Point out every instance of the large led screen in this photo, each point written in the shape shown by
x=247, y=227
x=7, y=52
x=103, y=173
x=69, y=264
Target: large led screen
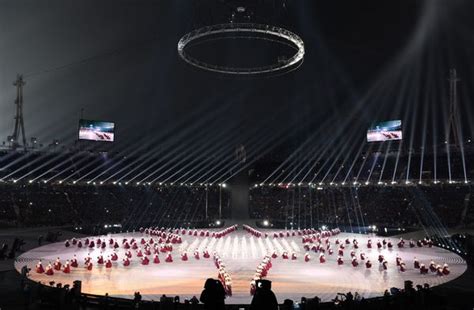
x=96, y=130
x=385, y=131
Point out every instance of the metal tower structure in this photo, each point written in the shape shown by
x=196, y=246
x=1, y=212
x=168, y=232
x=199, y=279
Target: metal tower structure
x=453, y=121
x=19, y=122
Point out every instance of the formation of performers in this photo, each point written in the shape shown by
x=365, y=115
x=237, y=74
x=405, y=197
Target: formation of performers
x=160, y=241
x=260, y=273
x=223, y=275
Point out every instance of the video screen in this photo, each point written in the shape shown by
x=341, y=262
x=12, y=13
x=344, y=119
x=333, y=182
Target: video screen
x=385, y=131
x=96, y=130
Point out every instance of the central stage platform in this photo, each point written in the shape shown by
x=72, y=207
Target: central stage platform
x=241, y=253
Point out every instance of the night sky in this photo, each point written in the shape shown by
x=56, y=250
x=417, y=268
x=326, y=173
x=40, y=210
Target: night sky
x=117, y=60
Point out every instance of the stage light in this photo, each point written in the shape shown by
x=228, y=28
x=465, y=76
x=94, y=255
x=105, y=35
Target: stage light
x=74, y=182
x=224, y=185
x=61, y=182
x=101, y=182
x=138, y=183
x=343, y=183
x=218, y=222
x=14, y=181
x=407, y=182
x=126, y=183
x=114, y=182
x=324, y=227
x=30, y=181
x=88, y=182
x=367, y=183
x=393, y=182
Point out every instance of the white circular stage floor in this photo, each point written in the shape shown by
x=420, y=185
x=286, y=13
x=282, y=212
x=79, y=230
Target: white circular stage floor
x=241, y=253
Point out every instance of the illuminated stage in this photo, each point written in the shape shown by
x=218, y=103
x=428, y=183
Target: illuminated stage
x=241, y=253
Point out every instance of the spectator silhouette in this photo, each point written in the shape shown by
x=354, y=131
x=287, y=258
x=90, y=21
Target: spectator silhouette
x=213, y=295
x=264, y=297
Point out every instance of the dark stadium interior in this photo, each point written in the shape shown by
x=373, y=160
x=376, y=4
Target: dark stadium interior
x=186, y=125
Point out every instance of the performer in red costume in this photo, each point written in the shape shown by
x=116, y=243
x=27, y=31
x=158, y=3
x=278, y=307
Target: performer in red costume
x=108, y=264
x=322, y=258
x=57, y=264
x=89, y=265
x=340, y=261
x=114, y=257
x=403, y=267
x=156, y=259
x=416, y=264
x=39, y=267
x=126, y=261
x=307, y=257
x=369, y=244
x=67, y=267
x=49, y=270
x=100, y=259
x=206, y=254
x=362, y=256
x=169, y=258
x=385, y=265
x=355, y=263
x=74, y=262
x=423, y=269
x=184, y=256
x=368, y=264
x=445, y=269
x=293, y=256
x=145, y=260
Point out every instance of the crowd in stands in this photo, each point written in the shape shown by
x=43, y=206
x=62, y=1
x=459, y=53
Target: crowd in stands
x=131, y=206
x=384, y=206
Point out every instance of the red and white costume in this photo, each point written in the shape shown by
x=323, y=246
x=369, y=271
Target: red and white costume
x=126, y=261
x=39, y=267
x=57, y=264
x=307, y=257
x=156, y=259
x=49, y=270
x=67, y=267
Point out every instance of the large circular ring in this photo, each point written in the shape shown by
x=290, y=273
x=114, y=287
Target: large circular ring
x=266, y=32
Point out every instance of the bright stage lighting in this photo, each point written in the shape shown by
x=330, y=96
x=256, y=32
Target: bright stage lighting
x=266, y=223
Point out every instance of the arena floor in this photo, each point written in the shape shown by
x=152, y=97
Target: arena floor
x=241, y=253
